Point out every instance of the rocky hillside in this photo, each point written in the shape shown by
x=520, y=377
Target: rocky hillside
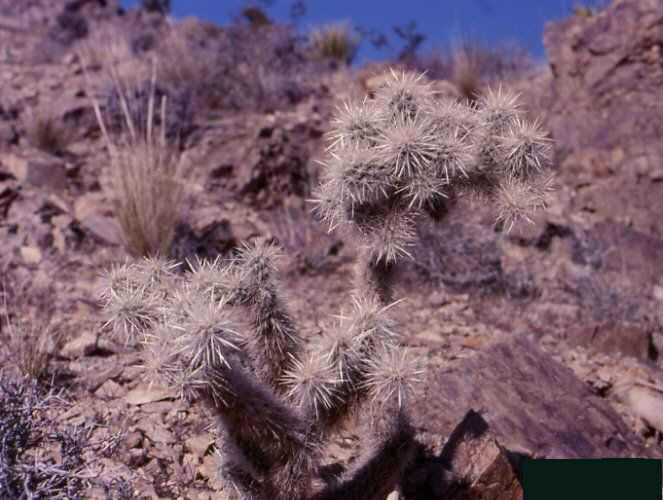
x=543, y=342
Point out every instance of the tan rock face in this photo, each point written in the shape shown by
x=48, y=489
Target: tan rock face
x=608, y=80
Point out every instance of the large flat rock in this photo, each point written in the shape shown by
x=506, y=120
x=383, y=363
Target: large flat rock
x=534, y=405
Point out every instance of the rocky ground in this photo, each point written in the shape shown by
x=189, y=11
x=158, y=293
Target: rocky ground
x=552, y=333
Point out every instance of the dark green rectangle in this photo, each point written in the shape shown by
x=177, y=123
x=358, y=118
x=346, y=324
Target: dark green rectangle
x=606, y=479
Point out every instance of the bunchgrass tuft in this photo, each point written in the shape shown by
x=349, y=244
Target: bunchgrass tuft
x=335, y=42
x=145, y=172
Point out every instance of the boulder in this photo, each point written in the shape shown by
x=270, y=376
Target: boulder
x=472, y=466
x=534, y=406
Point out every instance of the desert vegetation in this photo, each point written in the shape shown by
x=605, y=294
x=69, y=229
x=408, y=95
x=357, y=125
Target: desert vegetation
x=240, y=263
x=274, y=399
x=336, y=42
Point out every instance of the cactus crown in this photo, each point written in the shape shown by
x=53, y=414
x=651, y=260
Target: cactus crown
x=403, y=151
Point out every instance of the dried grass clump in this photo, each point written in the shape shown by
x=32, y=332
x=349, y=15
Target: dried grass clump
x=335, y=42
x=145, y=173
x=31, y=342
x=222, y=334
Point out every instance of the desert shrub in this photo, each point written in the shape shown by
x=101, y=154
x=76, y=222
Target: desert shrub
x=46, y=130
x=159, y=6
x=40, y=457
x=255, y=16
x=240, y=68
x=335, y=42
x=70, y=27
x=146, y=178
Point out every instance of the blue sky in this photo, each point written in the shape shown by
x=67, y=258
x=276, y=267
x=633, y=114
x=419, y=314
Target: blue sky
x=442, y=21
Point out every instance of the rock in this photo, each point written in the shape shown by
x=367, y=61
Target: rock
x=277, y=163
x=608, y=85
x=110, y=390
x=39, y=170
x=472, y=465
x=8, y=134
x=199, y=444
x=532, y=404
x=622, y=338
x=144, y=394
x=87, y=344
x=89, y=211
x=102, y=227
x=155, y=432
x=267, y=159
x=31, y=255
x=642, y=393
x=647, y=403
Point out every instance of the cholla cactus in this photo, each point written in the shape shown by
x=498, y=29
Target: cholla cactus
x=222, y=333
x=403, y=152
